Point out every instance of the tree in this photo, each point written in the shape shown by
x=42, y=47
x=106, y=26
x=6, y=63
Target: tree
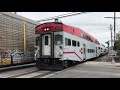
x=117, y=42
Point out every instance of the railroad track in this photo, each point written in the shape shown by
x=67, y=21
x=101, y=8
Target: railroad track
x=24, y=71
x=32, y=72
x=10, y=68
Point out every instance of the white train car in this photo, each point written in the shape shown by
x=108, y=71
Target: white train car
x=104, y=50
x=58, y=44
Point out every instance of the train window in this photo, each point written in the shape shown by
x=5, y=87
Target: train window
x=73, y=43
x=88, y=50
x=46, y=40
x=67, y=42
x=37, y=41
x=92, y=51
x=58, y=39
x=78, y=44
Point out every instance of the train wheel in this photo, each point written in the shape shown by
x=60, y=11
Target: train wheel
x=65, y=64
x=84, y=60
x=74, y=62
x=38, y=65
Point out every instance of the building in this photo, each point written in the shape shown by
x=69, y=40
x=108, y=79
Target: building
x=16, y=32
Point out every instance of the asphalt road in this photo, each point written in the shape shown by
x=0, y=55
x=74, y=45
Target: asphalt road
x=90, y=69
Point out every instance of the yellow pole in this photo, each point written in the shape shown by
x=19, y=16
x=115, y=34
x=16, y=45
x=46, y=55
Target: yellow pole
x=24, y=29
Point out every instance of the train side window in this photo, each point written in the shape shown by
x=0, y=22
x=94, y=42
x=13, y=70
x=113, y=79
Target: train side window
x=98, y=47
x=92, y=50
x=46, y=40
x=37, y=41
x=88, y=50
x=78, y=44
x=58, y=39
x=67, y=42
x=73, y=43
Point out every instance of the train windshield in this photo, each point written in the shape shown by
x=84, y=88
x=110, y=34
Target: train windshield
x=37, y=41
x=58, y=39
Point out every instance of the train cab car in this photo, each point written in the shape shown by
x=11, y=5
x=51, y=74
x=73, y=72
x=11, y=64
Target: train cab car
x=104, y=50
x=59, y=45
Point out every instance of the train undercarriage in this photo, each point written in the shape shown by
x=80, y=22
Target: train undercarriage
x=53, y=63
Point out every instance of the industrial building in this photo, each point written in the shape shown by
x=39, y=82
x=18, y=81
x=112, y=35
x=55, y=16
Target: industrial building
x=16, y=33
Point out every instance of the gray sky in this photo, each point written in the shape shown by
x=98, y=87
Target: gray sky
x=92, y=22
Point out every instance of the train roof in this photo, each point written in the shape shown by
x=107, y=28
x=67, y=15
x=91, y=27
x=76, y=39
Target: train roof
x=49, y=23
x=70, y=29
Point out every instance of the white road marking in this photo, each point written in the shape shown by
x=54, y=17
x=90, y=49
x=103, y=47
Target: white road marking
x=47, y=76
x=30, y=75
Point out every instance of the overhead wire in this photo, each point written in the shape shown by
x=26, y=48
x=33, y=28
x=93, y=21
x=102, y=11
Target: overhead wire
x=61, y=16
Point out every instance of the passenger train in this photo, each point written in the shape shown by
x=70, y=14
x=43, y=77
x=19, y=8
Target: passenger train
x=60, y=45
x=104, y=50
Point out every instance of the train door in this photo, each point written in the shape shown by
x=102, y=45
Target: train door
x=0, y=58
x=96, y=51
x=46, y=44
x=84, y=52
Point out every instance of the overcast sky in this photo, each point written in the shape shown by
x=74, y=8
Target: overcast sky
x=92, y=22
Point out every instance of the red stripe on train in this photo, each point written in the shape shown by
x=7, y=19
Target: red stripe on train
x=72, y=53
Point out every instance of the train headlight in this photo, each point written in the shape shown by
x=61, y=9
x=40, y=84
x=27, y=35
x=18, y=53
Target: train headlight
x=46, y=29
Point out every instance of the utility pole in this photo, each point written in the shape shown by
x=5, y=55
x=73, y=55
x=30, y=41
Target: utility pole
x=113, y=61
x=114, y=25
x=108, y=43
x=111, y=36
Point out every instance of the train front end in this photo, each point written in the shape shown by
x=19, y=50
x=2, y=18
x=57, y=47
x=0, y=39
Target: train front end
x=49, y=45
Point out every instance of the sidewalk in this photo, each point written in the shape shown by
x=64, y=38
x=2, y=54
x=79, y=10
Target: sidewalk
x=106, y=61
